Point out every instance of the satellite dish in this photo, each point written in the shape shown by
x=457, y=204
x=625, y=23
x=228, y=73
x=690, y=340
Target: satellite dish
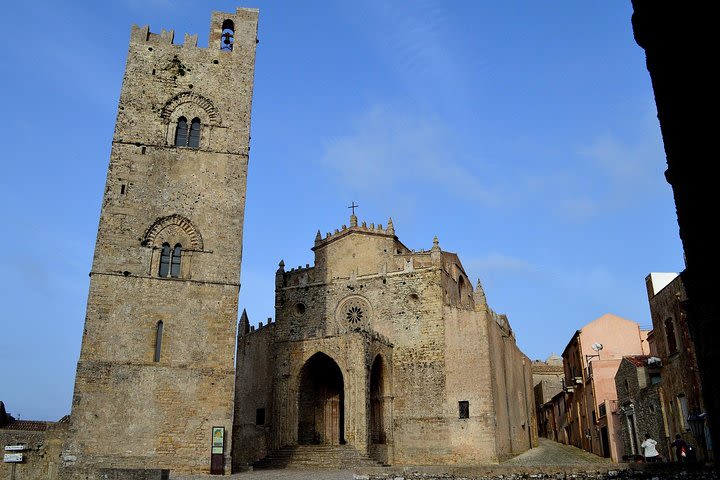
x=597, y=346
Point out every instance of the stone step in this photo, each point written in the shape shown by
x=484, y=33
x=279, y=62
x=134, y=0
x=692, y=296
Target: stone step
x=316, y=456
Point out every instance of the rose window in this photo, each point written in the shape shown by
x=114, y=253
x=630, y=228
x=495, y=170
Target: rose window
x=354, y=312
x=354, y=315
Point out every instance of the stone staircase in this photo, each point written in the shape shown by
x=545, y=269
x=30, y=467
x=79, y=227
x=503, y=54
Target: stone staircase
x=317, y=457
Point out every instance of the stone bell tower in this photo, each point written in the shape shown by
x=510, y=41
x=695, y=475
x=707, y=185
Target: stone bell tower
x=156, y=370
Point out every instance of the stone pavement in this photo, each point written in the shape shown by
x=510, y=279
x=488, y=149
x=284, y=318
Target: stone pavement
x=549, y=452
x=285, y=474
x=553, y=456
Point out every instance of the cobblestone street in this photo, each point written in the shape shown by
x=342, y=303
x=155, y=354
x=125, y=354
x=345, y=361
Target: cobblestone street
x=549, y=452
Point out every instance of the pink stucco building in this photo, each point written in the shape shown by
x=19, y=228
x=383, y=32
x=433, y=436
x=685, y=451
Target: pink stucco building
x=591, y=360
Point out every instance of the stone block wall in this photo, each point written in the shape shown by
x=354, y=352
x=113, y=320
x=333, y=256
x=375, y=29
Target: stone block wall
x=42, y=456
x=640, y=411
x=468, y=363
x=368, y=295
x=156, y=368
x=513, y=391
x=681, y=390
x=253, y=390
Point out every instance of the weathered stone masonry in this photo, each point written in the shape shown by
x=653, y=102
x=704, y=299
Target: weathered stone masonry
x=147, y=394
x=407, y=340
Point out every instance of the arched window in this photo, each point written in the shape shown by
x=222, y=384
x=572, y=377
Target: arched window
x=194, y=137
x=158, y=340
x=175, y=261
x=165, y=256
x=181, y=133
x=188, y=135
x=228, y=35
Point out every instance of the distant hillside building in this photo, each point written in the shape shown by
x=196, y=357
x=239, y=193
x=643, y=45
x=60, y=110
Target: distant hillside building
x=385, y=351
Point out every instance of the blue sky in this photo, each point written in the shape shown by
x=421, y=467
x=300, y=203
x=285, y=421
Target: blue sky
x=523, y=134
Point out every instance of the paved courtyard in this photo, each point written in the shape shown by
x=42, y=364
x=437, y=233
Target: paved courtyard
x=548, y=453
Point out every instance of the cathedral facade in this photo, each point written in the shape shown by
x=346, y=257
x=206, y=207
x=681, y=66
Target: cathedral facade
x=386, y=351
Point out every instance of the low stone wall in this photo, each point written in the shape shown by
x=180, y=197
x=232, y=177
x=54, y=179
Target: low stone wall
x=133, y=474
x=614, y=472
x=41, y=458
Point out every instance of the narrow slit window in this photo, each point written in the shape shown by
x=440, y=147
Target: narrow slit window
x=158, y=340
x=165, y=260
x=260, y=416
x=175, y=261
x=181, y=132
x=461, y=287
x=464, y=409
x=194, y=138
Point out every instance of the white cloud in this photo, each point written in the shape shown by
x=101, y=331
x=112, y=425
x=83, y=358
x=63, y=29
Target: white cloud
x=609, y=173
x=579, y=208
x=415, y=42
x=626, y=165
x=387, y=150
x=501, y=263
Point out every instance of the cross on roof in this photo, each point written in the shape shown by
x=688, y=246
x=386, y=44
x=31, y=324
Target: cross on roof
x=353, y=206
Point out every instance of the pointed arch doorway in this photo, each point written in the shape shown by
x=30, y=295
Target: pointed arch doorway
x=321, y=402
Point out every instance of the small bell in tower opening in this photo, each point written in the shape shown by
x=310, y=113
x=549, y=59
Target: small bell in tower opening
x=227, y=40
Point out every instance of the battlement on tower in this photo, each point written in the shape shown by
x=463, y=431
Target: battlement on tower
x=241, y=24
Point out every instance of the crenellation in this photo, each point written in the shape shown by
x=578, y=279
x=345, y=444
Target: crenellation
x=190, y=40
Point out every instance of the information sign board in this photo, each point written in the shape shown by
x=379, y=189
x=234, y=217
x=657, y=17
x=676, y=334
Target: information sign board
x=15, y=448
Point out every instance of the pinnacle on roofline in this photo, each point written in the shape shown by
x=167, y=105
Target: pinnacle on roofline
x=390, y=230
x=436, y=245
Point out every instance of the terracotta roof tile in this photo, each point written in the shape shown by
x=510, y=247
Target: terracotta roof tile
x=539, y=368
x=28, y=425
x=638, y=360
